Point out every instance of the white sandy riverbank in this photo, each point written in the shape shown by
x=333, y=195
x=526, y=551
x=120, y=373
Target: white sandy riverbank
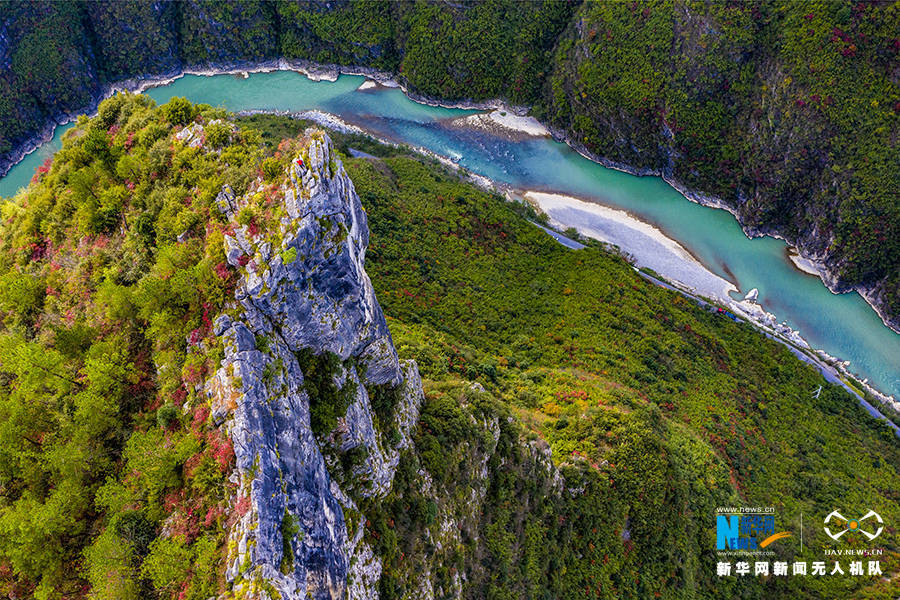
x=502, y=122
x=648, y=245
x=804, y=264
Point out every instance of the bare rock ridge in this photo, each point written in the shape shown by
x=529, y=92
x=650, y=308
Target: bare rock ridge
x=304, y=293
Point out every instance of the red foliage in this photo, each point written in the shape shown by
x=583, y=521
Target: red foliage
x=243, y=260
x=38, y=250
x=242, y=505
x=222, y=271
x=201, y=414
x=42, y=170
x=194, y=339
x=213, y=515
x=179, y=395
x=191, y=464
x=837, y=33
x=194, y=374
x=571, y=396
x=173, y=499
x=222, y=450
x=207, y=324
x=187, y=521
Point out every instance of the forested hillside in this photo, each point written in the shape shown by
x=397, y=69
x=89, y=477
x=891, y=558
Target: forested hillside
x=787, y=111
x=115, y=476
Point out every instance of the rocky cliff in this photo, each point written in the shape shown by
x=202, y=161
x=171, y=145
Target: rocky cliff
x=307, y=297
x=323, y=416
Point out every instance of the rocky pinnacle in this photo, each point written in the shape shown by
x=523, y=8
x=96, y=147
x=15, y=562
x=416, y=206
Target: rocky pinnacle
x=305, y=290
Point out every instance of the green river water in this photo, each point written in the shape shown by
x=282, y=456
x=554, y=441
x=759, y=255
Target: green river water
x=842, y=325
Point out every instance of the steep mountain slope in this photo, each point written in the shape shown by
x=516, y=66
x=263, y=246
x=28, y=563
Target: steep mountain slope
x=200, y=396
x=311, y=301
x=787, y=112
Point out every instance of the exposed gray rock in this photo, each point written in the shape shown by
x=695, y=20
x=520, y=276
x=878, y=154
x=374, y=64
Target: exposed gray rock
x=319, y=299
x=358, y=429
x=365, y=571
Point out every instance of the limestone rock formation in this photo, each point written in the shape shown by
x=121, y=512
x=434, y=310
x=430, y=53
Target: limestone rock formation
x=307, y=296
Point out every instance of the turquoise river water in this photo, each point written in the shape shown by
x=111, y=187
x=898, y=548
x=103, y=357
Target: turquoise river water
x=842, y=325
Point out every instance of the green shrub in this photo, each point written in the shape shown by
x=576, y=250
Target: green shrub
x=108, y=568
x=179, y=111
x=327, y=401
x=272, y=169
x=218, y=135
x=167, y=564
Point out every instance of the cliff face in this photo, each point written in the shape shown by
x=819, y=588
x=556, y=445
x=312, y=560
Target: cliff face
x=308, y=295
x=782, y=114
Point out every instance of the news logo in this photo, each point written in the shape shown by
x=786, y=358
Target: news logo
x=853, y=525
x=746, y=531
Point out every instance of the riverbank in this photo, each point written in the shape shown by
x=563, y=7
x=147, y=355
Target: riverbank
x=747, y=309
x=811, y=264
x=649, y=247
x=645, y=244
x=828, y=370
x=500, y=122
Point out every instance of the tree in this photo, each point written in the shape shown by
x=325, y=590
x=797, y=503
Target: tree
x=179, y=111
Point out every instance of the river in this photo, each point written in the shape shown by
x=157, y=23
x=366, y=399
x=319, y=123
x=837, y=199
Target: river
x=842, y=325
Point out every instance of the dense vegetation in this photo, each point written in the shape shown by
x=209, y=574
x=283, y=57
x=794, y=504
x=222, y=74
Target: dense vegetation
x=112, y=268
x=675, y=409
x=786, y=110
x=113, y=477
